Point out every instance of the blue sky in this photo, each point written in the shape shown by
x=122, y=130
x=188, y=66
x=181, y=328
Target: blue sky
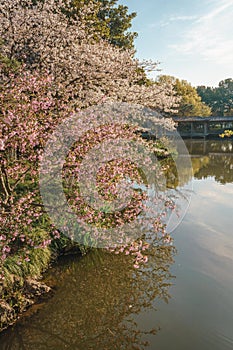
x=193, y=39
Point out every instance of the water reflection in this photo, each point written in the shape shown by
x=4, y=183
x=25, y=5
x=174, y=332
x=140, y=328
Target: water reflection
x=210, y=158
x=99, y=297
x=94, y=304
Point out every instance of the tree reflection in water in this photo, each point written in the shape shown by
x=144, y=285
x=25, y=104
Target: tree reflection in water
x=215, y=160
x=95, y=300
x=211, y=158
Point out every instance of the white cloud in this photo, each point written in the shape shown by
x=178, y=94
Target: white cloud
x=175, y=18
x=182, y=18
x=210, y=36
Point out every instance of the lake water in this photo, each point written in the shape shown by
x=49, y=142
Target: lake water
x=183, y=298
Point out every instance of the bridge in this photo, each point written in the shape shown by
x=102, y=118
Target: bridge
x=195, y=127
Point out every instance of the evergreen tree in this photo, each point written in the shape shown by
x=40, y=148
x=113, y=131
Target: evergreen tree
x=118, y=21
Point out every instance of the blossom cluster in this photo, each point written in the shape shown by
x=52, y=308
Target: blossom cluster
x=43, y=37
x=28, y=112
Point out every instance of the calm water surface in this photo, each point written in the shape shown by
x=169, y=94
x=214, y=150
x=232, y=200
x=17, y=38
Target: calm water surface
x=180, y=300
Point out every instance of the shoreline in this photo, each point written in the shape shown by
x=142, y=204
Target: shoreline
x=33, y=292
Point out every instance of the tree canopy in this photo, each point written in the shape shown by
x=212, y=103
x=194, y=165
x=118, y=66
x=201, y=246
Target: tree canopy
x=190, y=102
x=42, y=35
x=107, y=20
x=219, y=99
x=117, y=21
x=104, y=19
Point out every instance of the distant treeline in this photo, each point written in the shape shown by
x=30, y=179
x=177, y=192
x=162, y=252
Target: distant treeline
x=219, y=99
x=203, y=100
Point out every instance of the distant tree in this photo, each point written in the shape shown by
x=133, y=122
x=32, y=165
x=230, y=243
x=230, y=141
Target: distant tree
x=207, y=95
x=190, y=102
x=220, y=98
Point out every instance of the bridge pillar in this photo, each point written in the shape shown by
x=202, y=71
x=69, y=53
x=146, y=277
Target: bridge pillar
x=205, y=128
x=192, y=129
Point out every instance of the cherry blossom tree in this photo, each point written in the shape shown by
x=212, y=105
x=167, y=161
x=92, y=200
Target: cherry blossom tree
x=43, y=37
x=27, y=114
x=62, y=70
